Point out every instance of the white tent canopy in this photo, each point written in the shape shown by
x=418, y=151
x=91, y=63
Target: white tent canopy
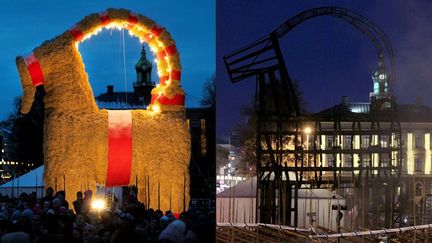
x=28, y=182
x=238, y=205
x=32, y=178
x=33, y=181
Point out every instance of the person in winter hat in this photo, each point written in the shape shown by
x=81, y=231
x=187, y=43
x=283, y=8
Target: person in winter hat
x=174, y=232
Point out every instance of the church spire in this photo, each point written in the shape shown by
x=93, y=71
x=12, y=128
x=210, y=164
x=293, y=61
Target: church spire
x=143, y=84
x=143, y=69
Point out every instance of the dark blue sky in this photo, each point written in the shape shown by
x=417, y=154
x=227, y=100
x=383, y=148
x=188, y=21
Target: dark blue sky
x=26, y=24
x=328, y=57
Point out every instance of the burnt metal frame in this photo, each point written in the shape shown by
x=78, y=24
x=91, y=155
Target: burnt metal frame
x=280, y=120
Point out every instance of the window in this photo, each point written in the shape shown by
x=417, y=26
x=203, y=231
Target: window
x=330, y=141
x=418, y=165
x=403, y=165
x=418, y=189
x=418, y=141
x=331, y=160
x=365, y=141
x=402, y=188
x=366, y=160
x=384, y=141
x=348, y=161
x=347, y=142
x=384, y=162
x=394, y=140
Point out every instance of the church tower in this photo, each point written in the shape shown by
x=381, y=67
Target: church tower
x=381, y=98
x=143, y=84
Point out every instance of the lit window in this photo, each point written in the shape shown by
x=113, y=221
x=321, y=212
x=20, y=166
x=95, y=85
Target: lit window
x=366, y=160
x=384, y=161
x=384, y=141
x=365, y=141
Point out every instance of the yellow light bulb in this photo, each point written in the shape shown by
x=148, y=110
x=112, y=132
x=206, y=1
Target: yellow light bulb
x=155, y=108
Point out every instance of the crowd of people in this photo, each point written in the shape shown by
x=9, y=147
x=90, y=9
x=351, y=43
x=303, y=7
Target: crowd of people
x=52, y=219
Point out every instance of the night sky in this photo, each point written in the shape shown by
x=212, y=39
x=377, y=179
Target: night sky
x=327, y=56
x=27, y=24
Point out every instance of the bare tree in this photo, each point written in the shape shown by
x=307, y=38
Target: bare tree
x=209, y=93
x=247, y=133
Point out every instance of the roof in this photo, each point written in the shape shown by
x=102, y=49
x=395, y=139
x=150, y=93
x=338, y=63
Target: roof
x=414, y=113
x=118, y=105
x=119, y=100
x=344, y=111
x=361, y=110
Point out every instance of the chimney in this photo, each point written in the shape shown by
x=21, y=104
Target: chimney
x=345, y=101
x=110, y=89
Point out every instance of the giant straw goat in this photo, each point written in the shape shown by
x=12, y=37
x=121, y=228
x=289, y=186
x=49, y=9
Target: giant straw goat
x=85, y=146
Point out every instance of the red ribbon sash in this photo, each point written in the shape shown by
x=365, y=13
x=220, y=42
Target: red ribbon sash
x=178, y=99
x=104, y=18
x=77, y=34
x=119, y=148
x=132, y=20
x=175, y=74
x=157, y=30
x=34, y=69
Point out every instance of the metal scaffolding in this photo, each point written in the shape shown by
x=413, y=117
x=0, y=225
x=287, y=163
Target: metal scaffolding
x=293, y=149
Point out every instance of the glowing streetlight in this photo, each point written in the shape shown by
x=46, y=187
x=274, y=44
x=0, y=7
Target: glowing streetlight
x=307, y=130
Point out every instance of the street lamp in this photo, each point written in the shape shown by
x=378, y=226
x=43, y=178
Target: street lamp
x=308, y=131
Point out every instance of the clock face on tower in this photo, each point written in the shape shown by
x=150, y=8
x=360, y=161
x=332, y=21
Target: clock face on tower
x=382, y=76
